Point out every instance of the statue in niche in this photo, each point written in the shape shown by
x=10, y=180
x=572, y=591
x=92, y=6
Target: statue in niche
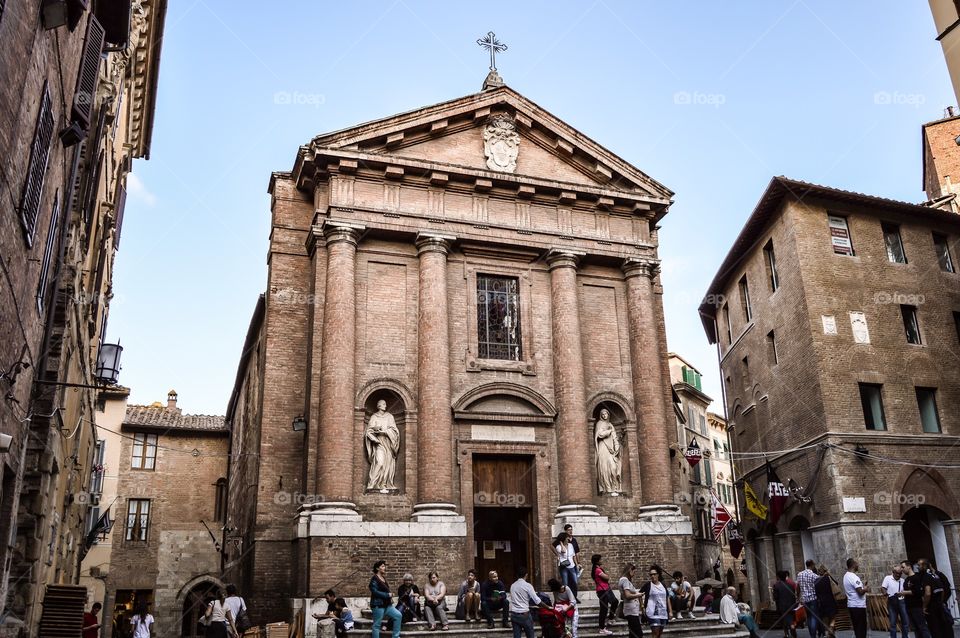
x=609, y=453
x=382, y=443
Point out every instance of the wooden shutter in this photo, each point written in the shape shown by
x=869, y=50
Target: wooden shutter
x=48, y=252
x=88, y=73
x=119, y=204
x=37, y=168
x=62, y=614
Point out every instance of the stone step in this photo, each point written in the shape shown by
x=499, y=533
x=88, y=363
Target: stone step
x=701, y=628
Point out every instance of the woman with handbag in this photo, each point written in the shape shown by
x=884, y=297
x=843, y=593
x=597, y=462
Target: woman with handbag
x=566, y=562
x=631, y=600
x=380, y=600
x=219, y=619
x=606, y=597
x=238, y=609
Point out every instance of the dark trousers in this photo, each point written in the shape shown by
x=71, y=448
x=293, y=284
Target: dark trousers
x=608, y=606
x=918, y=622
x=490, y=606
x=635, y=626
x=937, y=618
x=858, y=616
x=522, y=623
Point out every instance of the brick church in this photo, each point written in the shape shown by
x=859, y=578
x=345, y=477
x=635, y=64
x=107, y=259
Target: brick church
x=461, y=348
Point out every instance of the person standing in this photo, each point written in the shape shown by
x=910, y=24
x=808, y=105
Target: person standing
x=142, y=622
x=933, y=596
x=786, y=598
x=913, y=595
x=91, y=625
x=605, y=596
x=521, y=595
x=631, y=600
x=826, y=602
x=566, y=561
x=808, y=597
x=656, y=601
x=856, y=591
x=948, y=619
x=380, y=600
x=893, y=584
x=219, y=619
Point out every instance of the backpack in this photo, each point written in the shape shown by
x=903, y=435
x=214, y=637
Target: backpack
x=242, y=621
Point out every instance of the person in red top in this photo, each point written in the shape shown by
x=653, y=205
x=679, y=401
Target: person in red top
x=91, y=626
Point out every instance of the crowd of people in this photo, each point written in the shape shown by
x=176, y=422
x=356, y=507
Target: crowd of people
x=917, y=597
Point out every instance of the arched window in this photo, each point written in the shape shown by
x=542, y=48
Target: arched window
x=220, y=501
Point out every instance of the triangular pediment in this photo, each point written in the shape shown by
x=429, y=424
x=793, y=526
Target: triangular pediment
x=451, y=134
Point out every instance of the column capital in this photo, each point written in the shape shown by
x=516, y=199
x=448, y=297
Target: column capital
x=634, y=266
x=564, y=258
x=337, y=231
x=434, y=242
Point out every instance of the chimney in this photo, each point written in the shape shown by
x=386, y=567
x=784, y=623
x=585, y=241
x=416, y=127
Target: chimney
x=172, y=400
x=949, y=112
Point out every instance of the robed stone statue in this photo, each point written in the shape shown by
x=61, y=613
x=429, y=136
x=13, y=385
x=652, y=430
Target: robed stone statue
x=382, y=443
x=609, y=453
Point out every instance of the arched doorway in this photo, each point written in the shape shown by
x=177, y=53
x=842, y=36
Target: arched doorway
x=925, y=537
x=194, y=605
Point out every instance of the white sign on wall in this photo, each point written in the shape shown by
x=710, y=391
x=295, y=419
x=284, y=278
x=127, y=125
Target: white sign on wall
x=840, y=235
x=854, y=504
x=858, y=322
x=829, y=324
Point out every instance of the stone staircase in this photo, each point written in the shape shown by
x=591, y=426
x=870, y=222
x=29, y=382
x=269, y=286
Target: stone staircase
x=699, y=627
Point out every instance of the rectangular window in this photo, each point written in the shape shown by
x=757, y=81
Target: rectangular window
x=927, y=402
x=691, y=417
x=893, y=243
x=871, y=399
x=37, y=168
x=703, y=423
x=745, y=300
x=956, y=323
x=144, y=451
x=771, y=260
x=696, y=474
x=910, y=324
x=220, y=501
x=840, y=235
x=707, y=473
x=138, y=519
x=96, y=476
x=745, y=372
x=717, y=448
x=942, y=247
x=726, y=322
x=498, y=318
x=48, y=252
x=93, y=516
x=772, y=348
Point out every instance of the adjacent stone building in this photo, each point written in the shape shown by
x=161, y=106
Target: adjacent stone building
x=837, y=319
x=169, y=517
x=77, y=92
x=713, y=474
x=460, y=349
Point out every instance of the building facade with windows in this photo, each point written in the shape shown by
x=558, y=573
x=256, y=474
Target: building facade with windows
x=78, y=86
x=102, y=496
x=168, y=518
x=461, y=348
x=713, y=474
x=842, y=375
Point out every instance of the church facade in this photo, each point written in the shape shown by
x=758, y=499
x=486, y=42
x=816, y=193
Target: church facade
x=461, y=349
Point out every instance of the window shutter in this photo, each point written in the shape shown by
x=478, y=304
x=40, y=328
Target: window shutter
x=120, y=203
x=37, y=168
x=48, y=252
x=88, y=73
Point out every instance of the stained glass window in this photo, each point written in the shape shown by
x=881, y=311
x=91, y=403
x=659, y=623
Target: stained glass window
x=498, y=318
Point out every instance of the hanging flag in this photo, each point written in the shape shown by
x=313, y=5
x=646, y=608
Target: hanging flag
x=102, y=526
x=756, y=508
x=743, y=567
x=720, y=514
x=778, y=494
x=693, y=454
x=735, y=538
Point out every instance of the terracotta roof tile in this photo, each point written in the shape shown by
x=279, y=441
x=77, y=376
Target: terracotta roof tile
x=172, y=418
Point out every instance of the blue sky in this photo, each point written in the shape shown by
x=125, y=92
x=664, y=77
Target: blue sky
x=709, y=98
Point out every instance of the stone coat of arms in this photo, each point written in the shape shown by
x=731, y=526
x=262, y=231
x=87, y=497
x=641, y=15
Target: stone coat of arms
x=501, y=143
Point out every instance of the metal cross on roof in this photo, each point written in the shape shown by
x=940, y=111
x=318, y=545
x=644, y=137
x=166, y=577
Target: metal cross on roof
x=494, y=46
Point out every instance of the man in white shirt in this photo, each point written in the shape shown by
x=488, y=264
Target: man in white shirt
x=856, y=592
x=521, y=595
x=894, y=584
x=731, y=614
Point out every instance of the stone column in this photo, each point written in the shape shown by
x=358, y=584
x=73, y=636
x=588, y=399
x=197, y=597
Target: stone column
x=338, y=370
x=648, y=390
x=577, y=482
x=435, y=449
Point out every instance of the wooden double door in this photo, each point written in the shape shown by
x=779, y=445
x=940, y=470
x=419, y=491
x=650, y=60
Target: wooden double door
x=504, y=524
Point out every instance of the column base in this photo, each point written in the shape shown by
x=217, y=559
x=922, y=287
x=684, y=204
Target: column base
x=574, y=513
x=436, y=513
x=325, y=512
x=669, y=513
